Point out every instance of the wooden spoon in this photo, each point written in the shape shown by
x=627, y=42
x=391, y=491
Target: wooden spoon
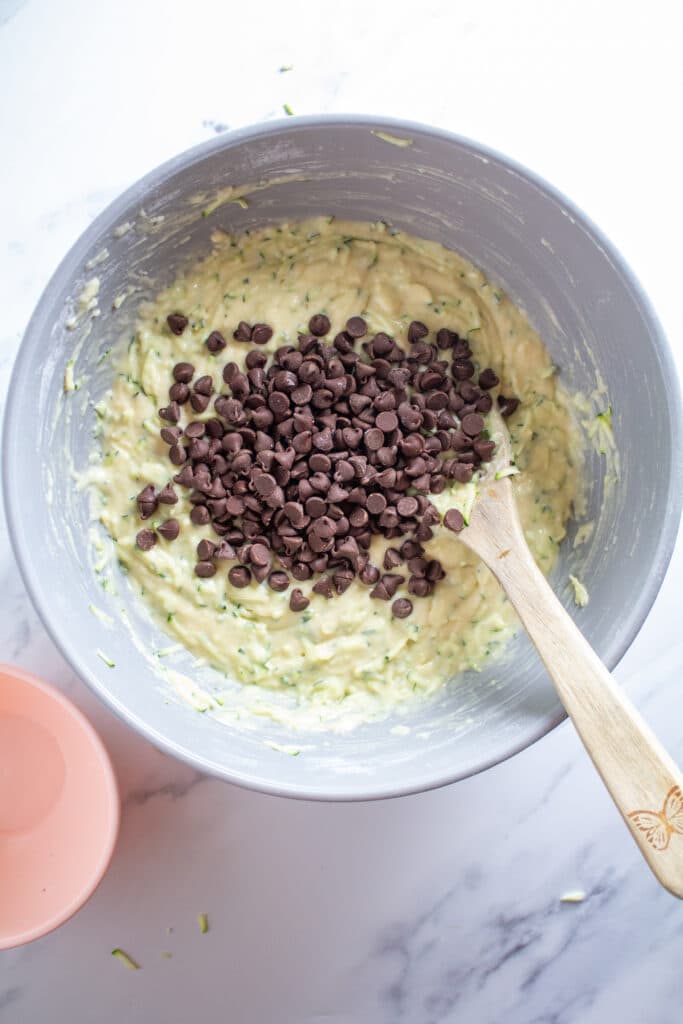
x=642, y=779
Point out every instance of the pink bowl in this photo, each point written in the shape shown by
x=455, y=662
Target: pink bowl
x=59, y=808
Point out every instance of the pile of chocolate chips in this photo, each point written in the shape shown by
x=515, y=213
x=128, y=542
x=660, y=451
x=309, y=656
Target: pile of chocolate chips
x=311, y=453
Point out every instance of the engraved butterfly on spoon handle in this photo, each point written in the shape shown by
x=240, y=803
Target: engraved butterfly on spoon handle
x=643, y=780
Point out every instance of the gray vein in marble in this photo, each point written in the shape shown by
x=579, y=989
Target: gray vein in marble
x=597, y=898
x=218, y=127
x=505, y=937
x=9, y=996
x=551, y=786
x=8, y=10
x=174, y=790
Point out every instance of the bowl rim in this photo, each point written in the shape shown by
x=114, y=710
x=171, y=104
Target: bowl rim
x=72, y=263
x=10, y=940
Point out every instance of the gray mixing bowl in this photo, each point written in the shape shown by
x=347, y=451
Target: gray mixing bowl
x=578, y=293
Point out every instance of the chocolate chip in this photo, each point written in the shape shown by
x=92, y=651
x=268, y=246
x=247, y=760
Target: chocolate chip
x=369, y=575
x=389, y=518
x=200, y=515
x=170, y=412
x=242, y=333
x=232, y=410
x=215, y=342
x=183, y=372
x=417, y=565
x=259, y=555
x=453, y=520
x=146, y=539
x=507, y=405
x=411, y=549
x=484, y=449
x=261, y=334
x=348, y=548
x=198, y=450
x=169, y=530
x=356, y=327
x=376, y=503
x=146, y=502
x=401, y=608
x=342, y=580
x=323, y=586
x=473, y=424
x=430, y=380
x=382, y=344
x=315, y=507
x=469, y=392
x=239, y=576
x=387, y=421
x=278, y=404
x=205, y=550
x=177, y=455
x=434, y=571
x=170, y=434
x=302, y=394
x=323, y=441
x=204, y=385
x=358, y=518
x=419, y=587
x=392, y=558
x=320, y=463
x=199, y=402
x=232, y=443
x=392, y=582
x=423, y=533
x=462, y=369
x=179, y=393
x=185, y=477
x=278, y=581
x=319, y=325
x=255, y=360
x=265, y=484
x=224, y=551
x=195, y=429
x=295, y=513
x=298, y=601
x=410, y=417
x=259, y=572
x=407, y=507
x=416, y=331
x=167, y=496
x=488, y=379
x=177, y=322
x=374, y=439
x=205, y=569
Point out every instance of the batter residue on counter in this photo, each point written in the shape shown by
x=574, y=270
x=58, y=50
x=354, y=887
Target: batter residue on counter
x=349, y=649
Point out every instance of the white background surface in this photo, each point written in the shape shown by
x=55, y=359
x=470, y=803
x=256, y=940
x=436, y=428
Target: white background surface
x=428, y=909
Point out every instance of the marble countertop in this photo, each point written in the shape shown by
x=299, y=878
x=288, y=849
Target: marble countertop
x=428, y=909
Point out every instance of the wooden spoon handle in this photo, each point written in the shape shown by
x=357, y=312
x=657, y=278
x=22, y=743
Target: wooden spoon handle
x=643, y=780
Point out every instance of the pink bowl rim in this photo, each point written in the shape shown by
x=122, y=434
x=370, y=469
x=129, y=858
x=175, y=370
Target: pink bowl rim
x=9, y=940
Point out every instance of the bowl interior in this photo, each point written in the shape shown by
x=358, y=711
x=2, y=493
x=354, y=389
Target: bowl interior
x=58, y=808
x=577, y=293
